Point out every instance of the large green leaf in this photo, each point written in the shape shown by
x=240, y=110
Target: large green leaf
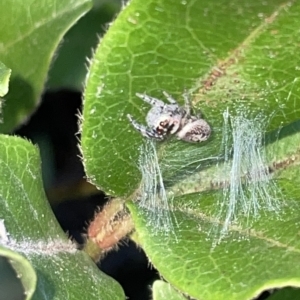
x=31, y=229
x=239, y=58
x=30, y=32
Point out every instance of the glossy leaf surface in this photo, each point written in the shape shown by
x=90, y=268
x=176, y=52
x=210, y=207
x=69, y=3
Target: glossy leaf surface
x=233, y=57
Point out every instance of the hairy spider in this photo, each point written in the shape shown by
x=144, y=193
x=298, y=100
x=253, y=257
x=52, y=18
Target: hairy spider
x=168, y=119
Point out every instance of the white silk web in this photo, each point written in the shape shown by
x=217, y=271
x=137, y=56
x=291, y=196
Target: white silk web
x=240, y=171
x=153, y=197
x=245, y=177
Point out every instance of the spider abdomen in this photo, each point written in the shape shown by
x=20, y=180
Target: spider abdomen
x=195, y=131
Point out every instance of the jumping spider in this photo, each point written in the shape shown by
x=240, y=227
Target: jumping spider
x=167, y=119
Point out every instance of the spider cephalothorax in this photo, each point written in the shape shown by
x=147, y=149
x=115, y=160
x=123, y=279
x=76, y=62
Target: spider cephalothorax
x=166, y=119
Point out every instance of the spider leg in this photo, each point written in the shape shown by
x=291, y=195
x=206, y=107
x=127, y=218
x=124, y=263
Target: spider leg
x=150, y=100
x=187, y=103
x=169, y=98
x=144, y=130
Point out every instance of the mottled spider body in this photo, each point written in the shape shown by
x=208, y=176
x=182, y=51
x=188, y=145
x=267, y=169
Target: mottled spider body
x=167, y=119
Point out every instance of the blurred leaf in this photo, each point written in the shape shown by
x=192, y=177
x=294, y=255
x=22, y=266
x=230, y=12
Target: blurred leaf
x=63, y=272
x=30, y=32
x=4, y=79
x=285, y=294
x=23, y=269
x=162, y=291
x=70, y=66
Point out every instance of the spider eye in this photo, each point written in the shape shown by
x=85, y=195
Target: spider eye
x=164, y=123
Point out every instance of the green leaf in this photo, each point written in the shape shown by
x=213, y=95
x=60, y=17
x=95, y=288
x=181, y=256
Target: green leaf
x=162, y=291
x=4, y=79
x=234, y=57
x=30, y=32
x=257, y=252
x=31, y=230
x=230, y=54
x=23, y=270
x=69, y=68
